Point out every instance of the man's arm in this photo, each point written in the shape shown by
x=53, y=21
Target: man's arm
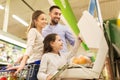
x=69, y=36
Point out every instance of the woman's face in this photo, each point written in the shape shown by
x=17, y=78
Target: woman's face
x=57, y=44
x=41, y=21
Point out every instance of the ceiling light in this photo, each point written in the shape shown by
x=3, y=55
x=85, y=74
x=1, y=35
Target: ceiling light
x=10, y=40
x=20, y=20
x=1, y=7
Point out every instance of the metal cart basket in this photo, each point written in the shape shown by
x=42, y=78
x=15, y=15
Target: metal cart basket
x=25, y=74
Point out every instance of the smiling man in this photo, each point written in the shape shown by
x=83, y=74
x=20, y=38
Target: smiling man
x=55, y=27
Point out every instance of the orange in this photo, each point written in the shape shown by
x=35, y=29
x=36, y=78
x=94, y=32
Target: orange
x=75, y=60
x=82, y=60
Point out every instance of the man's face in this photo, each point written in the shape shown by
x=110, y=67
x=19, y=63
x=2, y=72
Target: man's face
x=55, y=16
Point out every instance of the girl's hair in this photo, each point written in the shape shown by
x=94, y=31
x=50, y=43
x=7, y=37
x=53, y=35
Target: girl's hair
x=49, y=38
x=35, y=16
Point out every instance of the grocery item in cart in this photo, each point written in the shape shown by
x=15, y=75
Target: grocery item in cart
x=81, y=60
x=7, y=74
x=3, y=78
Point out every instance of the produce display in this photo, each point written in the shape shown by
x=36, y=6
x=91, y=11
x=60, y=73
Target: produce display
x=9, y=53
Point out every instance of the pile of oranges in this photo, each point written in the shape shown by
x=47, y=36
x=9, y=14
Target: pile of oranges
x=81, y=60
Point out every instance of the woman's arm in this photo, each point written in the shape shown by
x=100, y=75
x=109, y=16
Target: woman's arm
x=30, y=43
x=19, y=60
x=21, y=66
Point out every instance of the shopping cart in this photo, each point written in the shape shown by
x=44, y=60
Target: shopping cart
x=7, y=74
x=25, y=74
x=29, y=71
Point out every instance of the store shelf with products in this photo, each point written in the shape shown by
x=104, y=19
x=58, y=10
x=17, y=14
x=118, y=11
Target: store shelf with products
x=11, y=48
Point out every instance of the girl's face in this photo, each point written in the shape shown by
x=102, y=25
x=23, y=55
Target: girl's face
x=41, y=21
x=57, y=44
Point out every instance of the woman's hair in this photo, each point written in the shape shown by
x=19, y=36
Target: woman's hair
x=35, y=16
x=49, y=38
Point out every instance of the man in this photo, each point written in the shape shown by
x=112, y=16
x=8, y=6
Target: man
x=56, y=27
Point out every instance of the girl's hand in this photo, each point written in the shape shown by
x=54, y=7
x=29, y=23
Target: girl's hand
x=49, y=77
x=79, y=37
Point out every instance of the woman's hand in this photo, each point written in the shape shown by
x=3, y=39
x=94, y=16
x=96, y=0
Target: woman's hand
x=17, y=68
x=9, y=65
x=21, y=66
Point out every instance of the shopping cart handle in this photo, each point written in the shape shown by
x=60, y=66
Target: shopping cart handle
x=4, y=69
x=7, y=70
x=60, y=71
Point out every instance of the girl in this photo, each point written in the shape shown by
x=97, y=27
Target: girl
x=52, y=59
x=34, y=43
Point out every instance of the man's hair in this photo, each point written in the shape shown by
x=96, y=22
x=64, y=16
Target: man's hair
x=52, y=7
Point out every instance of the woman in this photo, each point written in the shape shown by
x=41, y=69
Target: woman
x=34, y=48
x=52, y=59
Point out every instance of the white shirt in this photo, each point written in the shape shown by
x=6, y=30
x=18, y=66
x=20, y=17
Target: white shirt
x=51, y=62
x=34, y=45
